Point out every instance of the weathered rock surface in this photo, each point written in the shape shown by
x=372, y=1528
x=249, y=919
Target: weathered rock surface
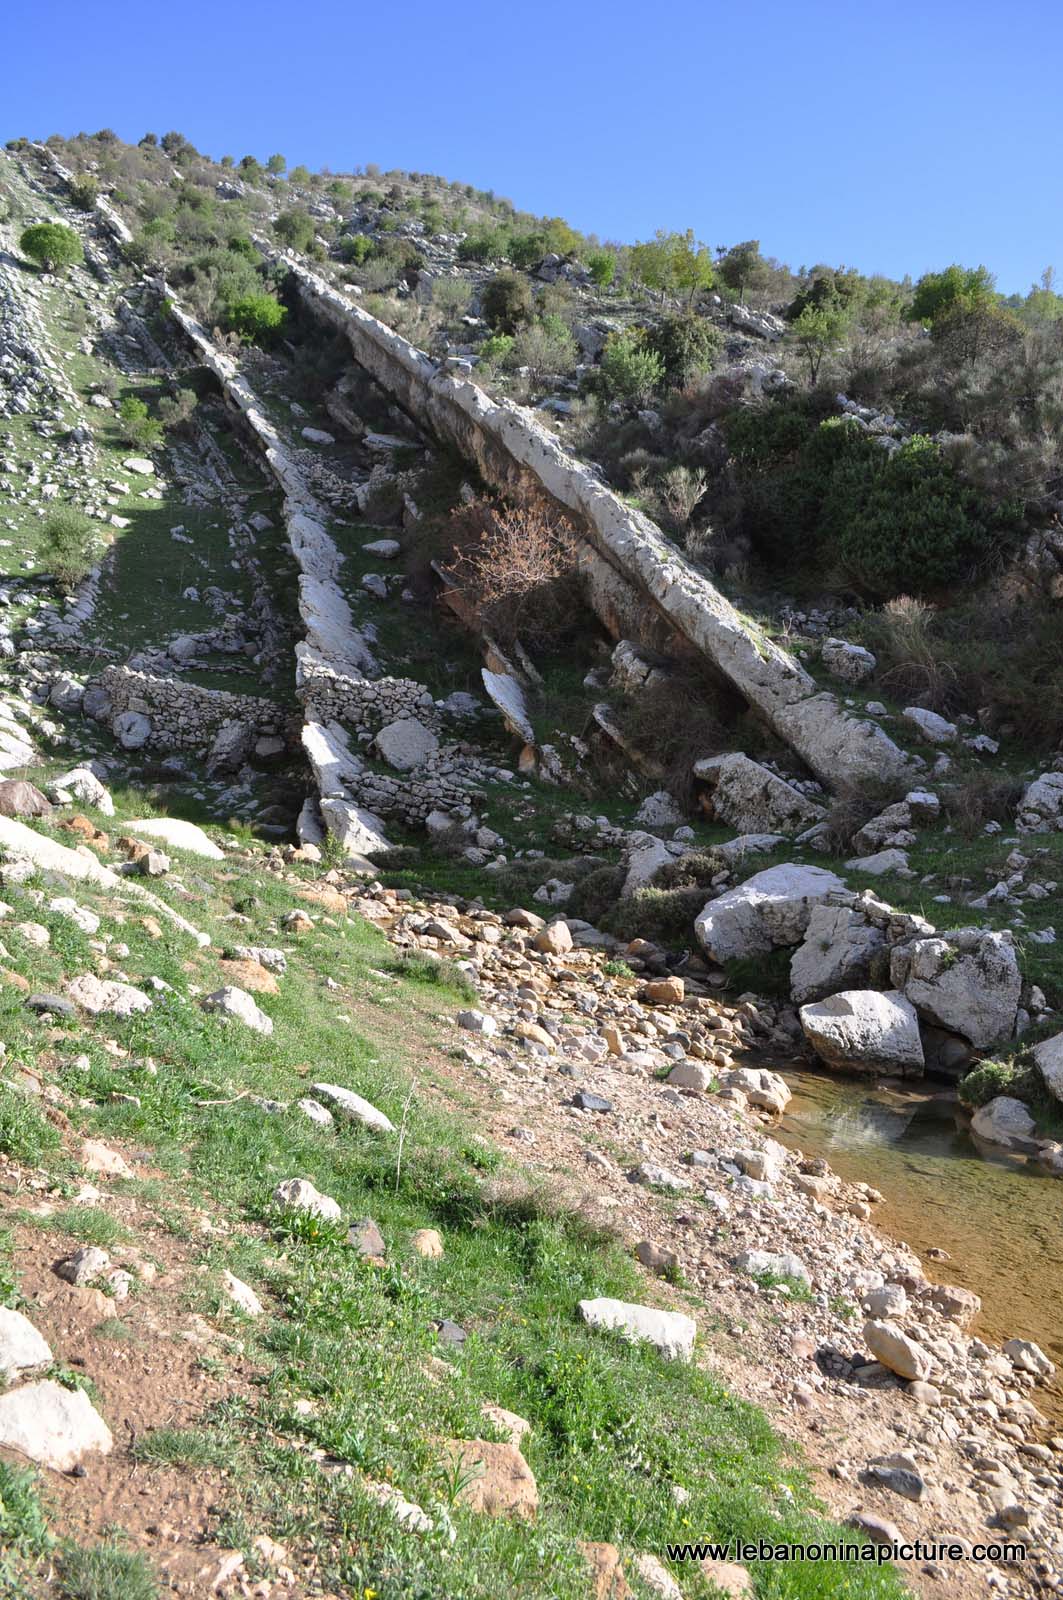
x=345, y=1103
x=21, y=1347
x=1005, y=1121
x=752, y=798
x=769, y=910
x=967, y=981
x=180, y=834
x=671, y=1333
x=53, y=1426
x=861, y=1030
x=837, y=952
x=1048, y=1055
x=236, y=1004
x=896, y=1350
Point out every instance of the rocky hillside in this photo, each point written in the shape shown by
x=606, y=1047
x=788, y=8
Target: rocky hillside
x=420, y=869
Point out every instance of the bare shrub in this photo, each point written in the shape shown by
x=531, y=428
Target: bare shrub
x=517, y=563
x=912, y=657
x=677, y=721
x=681, y=489
x=983, y=797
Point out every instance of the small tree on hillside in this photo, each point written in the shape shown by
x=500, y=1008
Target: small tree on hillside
x=743, y=268
x=52, y=246
x=295, y=228
x=817, y=330
x=255, y=317
x=66, y=545
x=601, y=264
x=941, y=293
x=276, y=165
x=84, y=191
x=506, y=301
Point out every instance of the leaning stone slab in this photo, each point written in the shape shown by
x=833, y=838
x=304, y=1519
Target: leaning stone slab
x=754, y=799
x=671, y=1333
x=351, y=1106
x=53, y=1426
x=634, y=575
x=508, y=696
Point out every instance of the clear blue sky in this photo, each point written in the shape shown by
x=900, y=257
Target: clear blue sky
x=894, y=138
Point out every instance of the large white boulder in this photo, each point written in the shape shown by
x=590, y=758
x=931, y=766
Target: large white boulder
x=21, y=1347
x=132, y=729
x=861, y=1030
x=182, y=835
x=406, y=744
x=836, y=953
x=508, y=696
x=752, y=798
x=769, y=910
x=967, y=982
x=360, y=832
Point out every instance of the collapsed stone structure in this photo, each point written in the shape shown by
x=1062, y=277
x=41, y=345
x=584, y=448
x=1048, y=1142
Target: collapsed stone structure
x=638, y=582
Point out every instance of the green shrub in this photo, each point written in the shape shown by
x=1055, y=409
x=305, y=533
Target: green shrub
x=485, y=244
x=356, y=248
x=66, y=546
x=255, y=317
x=495, y=351
x=84, y=191
x=139, y=427
x=295, y=228
x=987, y=1080
x=939, y=293
x=687, y=346
x=176, y=411
x=601, y=264
x=906, y=522
x=52, y=246
x=506, y=302
x=544, y=347
x=629, y=370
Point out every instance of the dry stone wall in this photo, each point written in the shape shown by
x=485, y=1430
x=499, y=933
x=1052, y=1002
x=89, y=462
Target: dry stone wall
x=185, y=716
x=627, y=558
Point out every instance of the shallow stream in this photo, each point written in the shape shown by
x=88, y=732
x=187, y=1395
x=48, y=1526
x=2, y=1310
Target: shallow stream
x=999, y=1218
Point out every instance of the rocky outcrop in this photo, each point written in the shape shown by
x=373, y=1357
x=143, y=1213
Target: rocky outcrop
x=836, y=953
x=635, y=575
x=754, y=799
x=769, y=910
x=967, y=981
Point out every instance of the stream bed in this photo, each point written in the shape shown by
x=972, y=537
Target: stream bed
x=999, y=1218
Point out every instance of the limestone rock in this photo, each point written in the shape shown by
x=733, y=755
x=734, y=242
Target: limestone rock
x=501, y=1483
x=230, y=1002
x=1048, y=1055
x=967, y=982
x=299, y=1194
x=930, y=725
x=752, y=798
x=776, y=1264
x=508, y=695
x=1005, y=1121
x=21, y=1347
x=769, y=910
x=98, y=995
x=345, y=1103
x=836, y=953
x=881, y=863
x=671, y=1333
x=242, y=1295
x=555, y=939
x=862, y=1030
x=132, y=729
x=658, y=810
x=760, y=1087
x=890, y=1345
x=180, y=834
x=1040, y=809
x=21, y=799
x=53, y=1426
x=645, y=857
x=406, y=744
x=849, y=662
x=83, y=784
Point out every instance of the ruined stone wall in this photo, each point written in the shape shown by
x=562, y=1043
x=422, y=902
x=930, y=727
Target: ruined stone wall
x=361, y=703
x=640, y=583
x=185, y=716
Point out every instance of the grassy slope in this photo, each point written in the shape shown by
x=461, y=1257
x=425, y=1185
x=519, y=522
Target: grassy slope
x=613, y=1428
